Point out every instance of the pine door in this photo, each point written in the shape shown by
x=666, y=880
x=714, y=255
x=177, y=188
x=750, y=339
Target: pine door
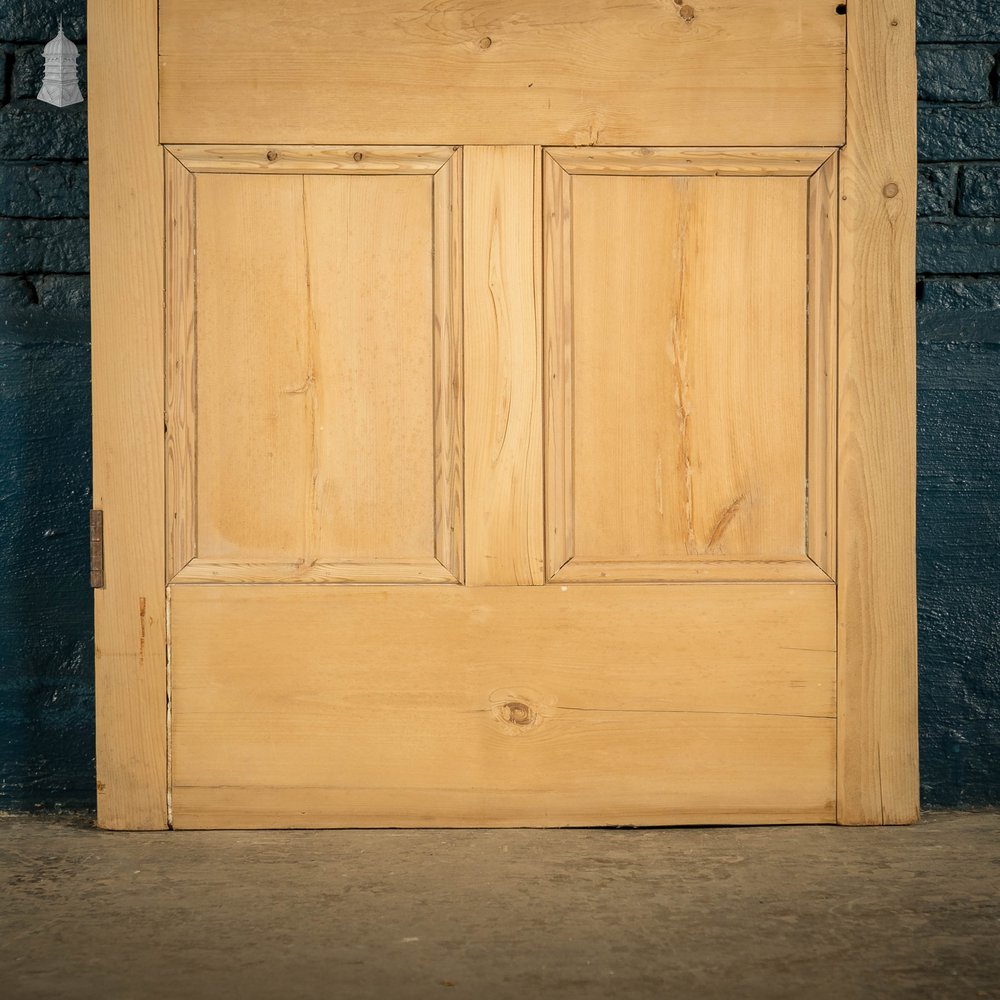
x=536, y=414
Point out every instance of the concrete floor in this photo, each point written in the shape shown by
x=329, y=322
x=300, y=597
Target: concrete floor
x=796, y=912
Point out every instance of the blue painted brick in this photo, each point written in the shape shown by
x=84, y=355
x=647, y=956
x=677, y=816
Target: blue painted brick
x=954, y=73
x=979, y=190
x=64, y=293
x=15, y=293
x=935, y=190
x=951, y=132
x=963, y=246
x=960, y=310
x=33, y=130
x=24, y=21
x=958, y=545
x=957, y=21
x=28, y=245
x=46, y=625
x=43, y=190
x=6, y=59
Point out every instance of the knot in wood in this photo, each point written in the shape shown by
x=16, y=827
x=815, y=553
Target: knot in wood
x=272, y=155
x=517, y=713
x=485, y=43
x=890, y=190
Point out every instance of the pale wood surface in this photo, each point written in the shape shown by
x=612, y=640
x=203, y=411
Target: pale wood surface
x=179, y=330
x=449, y=388
x=320, y=298
x=279, y=159
x=256, y=370
x=690, y=161
x=126, y=250
x=371, y=241
x=503, y=71
x=821, y=420
x=557, y=250
x=502, y=706
x=335, y=453
x=877, y=725
x=688, y=368
x=711, y=569
x=426, y=570
x=503, y=406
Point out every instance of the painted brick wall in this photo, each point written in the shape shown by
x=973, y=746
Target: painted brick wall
x=46, y=666
x=958, y=400
x=46, y=629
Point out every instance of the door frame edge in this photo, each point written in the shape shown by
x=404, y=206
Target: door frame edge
x=877, y=754
x=127, y=273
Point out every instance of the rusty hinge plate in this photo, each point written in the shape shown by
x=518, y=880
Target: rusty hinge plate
x=97, y=549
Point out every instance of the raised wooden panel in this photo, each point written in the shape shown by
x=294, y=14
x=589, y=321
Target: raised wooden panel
x=689, y=387
x=502, y=706
x=321, y=364
x=653, y=72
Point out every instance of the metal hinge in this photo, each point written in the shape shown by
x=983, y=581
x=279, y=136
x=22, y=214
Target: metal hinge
x=97, y=549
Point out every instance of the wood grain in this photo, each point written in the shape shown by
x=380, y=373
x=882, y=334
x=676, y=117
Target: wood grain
x=359, y=331
x=330, y=355
x=422, y=706
x=688, y=367
x=283, y=159
x=449, y=378
x=362, y=571
x=877, y=719
x=180, y=326
x=127, y=239
x=740, y=161
x=257, y=365
x=503, y=409
x=821, y=420
x=717, y=569
x=574, y=72
x=557, y=251
x=372, y=242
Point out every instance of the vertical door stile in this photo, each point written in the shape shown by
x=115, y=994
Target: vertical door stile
x=127, y=242
x=503, y=363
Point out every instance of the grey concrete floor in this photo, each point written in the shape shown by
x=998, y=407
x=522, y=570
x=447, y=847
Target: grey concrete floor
x=797, y=912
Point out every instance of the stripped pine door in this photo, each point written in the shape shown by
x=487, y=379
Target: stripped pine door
x=510, y=419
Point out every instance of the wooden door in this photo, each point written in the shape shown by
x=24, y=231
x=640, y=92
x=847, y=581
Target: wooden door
x=536, y=396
